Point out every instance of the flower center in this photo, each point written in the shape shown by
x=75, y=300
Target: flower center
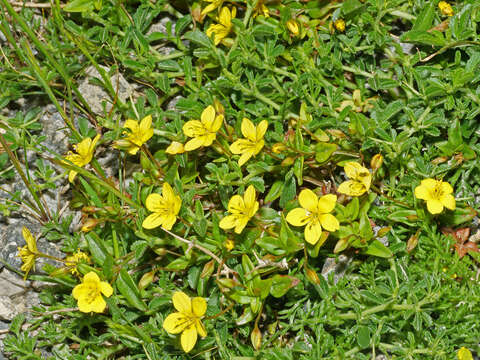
x=92, y=292
x=437, y=192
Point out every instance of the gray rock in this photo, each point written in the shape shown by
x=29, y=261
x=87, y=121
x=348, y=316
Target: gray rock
x=161, y=26
x=172, y=104
x=55, y=130
x=11, y=284
x=337, y=267
x=95, y=95
x=7, y=308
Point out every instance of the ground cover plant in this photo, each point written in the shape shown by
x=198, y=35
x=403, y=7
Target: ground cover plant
x=262, y=140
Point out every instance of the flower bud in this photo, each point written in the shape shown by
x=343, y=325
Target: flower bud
x=339, y=25
x=146, y=280
x=445, y=8
x=376, y=162
x=219, y=109
x=89, y=224
x=288, y=161
x=278, y=148
x=292, y=25
x=312, y=275
x=229, y=244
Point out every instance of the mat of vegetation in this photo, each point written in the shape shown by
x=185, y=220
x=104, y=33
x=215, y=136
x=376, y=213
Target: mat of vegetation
x=256, y=179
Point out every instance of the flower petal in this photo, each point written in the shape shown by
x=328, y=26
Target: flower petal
x=236, y=204
x=225, y=17
x=91, y=277
x=71, y=175
x=298, y=217
x=194, y=143
x=106, y=288
x=188, y=338
x=217, y=124
x=182, y=302
x=175, y=148
x=329, y=222
x=249, y=197
x=153, y=220
x=448, y=201
x=193, y=128
x=245, y=157
x=248, y=130
x=200, y=328
x=313, y=231
x=240, y=146
x=98, y=305
x=446, y=188
x=155, y=202
x=429, y=183
x=199, y=306
x=208, y=117
x=29, y=239
x=241, y=223
x=422, y=192
x=169, y=221
x=308, y=200
x=327, y=203
x=131, y=124
x=434, y=206
x=228, y=222
x=168, y=193
x=351, y=169
x=175, y=323
x=351, y=188
x=261, y=129
x=78, y=291
x=146, y=123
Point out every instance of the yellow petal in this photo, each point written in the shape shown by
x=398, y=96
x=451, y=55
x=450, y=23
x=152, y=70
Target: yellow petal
x=106, y=288
x=422, y=192
x=248, y=130
x=448, y=201
x=217, y=124
x=78, y=291
x=208, y=117
x=168, y=193
x=29, y=239
x=188, y=338
x=146, y=123
x=194, y=143
x=155, y=202
x=245, y=157
x=208, y=139
x=175, y=323
x=84, y=305
x=446, y=188
x=464, y=354
x=236, y=204
x=225, y=17
x=200, y=328
x=169, y=221
x=261, y=129
x=240, y=224
x=133, y=149
x=208, y=8
x=327, y=203
x=228, y=222
x=193, y=128
x=93, y=144
x=329, y=222
x=71, y=175
x=434, y=206
x=308, y=200
x=199, y=306
x=258, y=146
x=429, y=184
x=249, y=197
x=83, y=147
x=352, y=168
x=351, y=188
x=91, y=277
x=153, y=220
x=98, y=305
x=182, y=302
x=297, y=217
x=132, y=125
x=313, y=231
x=175, y=148
x=239, y=146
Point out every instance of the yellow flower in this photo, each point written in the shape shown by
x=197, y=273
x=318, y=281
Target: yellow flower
x=89, y=293
x=229, y=244
x=445, y=8
x=175, y=148
x=242, y=209
x=214, y=5
x=224, y=26
x=84, y=155
x=76, y=258
x=138, y=134
x=315, y=214
x=437, y=194
x=339, y=25
x=261, y=9
x=165, y=208
x=360, y=180
x=253, y=142
x=292, y=25
x=187, y=319
x=204, y=131
x=464, y=354
x=29, y=252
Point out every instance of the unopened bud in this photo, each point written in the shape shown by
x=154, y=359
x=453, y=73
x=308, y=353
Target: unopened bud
x=288, y=161
x=278, y=148
x=312, y=275
x=292, y=25
x=146, y=280
x=208, y=269
x=219, y=109
x=376, y=162
x=256, y=337
x=89, y=224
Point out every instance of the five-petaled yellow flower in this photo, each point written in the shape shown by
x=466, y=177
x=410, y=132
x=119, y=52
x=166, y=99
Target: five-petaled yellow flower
x=175, y=148
x=464, y=354
x=437, y=194
x=360, y=180
x=187, y=320
x=76, y=258
x=445, y=8
x=89, y=293
x=204, y=131
x=214, y=4
x=242, y=210
x=315, y=214
x=224, y=26
x=253, y=142
x=84, y=155
x=29, y=252
x=261, y=9
x=137, y=134
x=165, y=208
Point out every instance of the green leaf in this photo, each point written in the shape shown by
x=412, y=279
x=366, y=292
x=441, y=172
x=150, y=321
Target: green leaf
x=424, y=20
x=376, y=248
x=275, y=191
x=323, y=151
x=129, y=290
x=79, y=6
x=289, y=190
x=363, y=337
x=97, y=249
x=271, y=244
x=198, y=37
x=352, y=209
x=281, y=284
